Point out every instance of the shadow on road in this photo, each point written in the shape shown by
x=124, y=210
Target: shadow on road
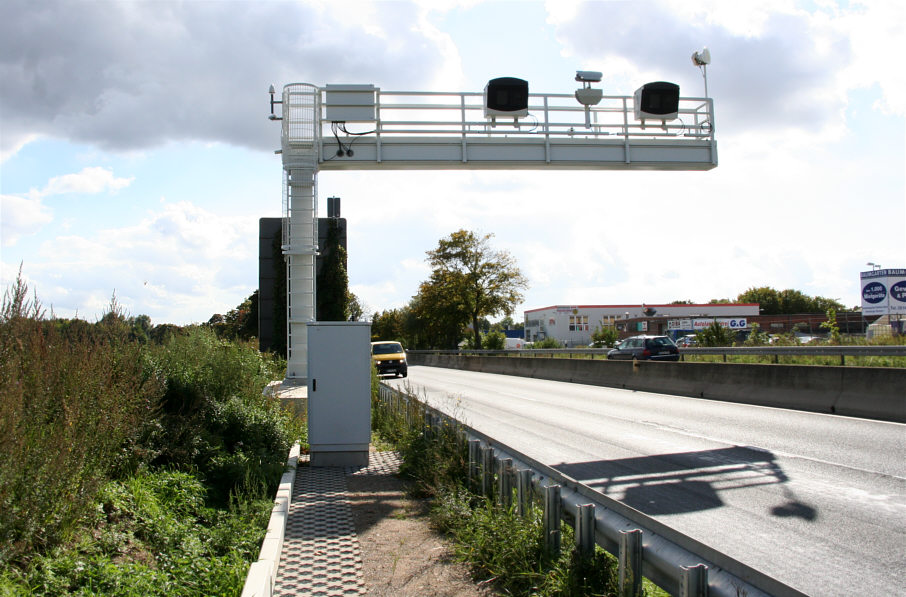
x=686, y=481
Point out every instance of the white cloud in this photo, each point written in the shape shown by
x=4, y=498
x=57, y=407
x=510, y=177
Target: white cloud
x=90, y=180
x=877, y=31
x=775, y=66
x=181, y=264
x=140, y=74
x=25, y=215
x=21, y=216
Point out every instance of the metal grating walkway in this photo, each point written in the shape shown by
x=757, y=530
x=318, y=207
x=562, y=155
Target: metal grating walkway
x=320, y=554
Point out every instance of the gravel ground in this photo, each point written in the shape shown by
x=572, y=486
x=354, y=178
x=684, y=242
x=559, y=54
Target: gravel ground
x=401, y=555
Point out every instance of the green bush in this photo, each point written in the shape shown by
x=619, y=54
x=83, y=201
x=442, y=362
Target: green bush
x=214, y=417
x=152, y=534
x=605, y=337
x=547, y=343
x=715, y=335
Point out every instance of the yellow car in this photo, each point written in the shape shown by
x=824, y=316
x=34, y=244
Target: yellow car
x=389, y=357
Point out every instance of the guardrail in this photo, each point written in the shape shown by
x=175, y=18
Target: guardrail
x=643, y=545
x=460, y=114
x=727, y=351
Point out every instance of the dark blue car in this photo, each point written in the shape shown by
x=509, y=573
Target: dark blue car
x=646, y=348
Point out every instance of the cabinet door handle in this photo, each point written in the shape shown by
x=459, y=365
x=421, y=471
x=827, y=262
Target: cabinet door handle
x=314, y=385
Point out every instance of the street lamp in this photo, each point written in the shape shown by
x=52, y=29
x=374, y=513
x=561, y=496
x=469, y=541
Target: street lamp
x=873, y=266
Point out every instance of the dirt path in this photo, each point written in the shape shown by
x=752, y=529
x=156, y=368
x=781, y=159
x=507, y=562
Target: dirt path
x=401, y=555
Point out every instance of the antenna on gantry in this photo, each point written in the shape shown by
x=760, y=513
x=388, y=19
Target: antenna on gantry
x=702, y=60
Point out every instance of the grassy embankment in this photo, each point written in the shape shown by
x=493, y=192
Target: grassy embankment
x=131, y=467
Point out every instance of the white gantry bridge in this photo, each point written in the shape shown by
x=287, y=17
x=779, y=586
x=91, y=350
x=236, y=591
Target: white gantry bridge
x=362, y=127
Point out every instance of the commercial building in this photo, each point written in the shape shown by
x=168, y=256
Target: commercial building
x=572, y=325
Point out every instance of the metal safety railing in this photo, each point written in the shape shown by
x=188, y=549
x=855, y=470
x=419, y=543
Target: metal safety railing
x=550, y=115
x=644, y=546
x=726, y=351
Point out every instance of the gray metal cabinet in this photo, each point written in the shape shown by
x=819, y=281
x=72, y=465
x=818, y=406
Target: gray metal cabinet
x=339, y=392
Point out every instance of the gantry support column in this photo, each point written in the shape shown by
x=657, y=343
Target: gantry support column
x=301, y=250
x=300, y=137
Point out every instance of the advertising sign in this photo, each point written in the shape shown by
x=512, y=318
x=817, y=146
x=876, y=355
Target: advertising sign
x=738, y=323
x=679, y=324
x=896, y=291
x=883, y=291
x=696, y=325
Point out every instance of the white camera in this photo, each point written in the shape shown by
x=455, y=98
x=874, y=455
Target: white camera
x=588, y=96
x=588, y=76
x=701, y=58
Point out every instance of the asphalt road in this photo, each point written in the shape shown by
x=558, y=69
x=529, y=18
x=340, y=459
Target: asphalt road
x=815, y=501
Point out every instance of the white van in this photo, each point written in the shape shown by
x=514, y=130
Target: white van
x=515, y=343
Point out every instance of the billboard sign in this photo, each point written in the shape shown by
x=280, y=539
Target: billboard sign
x=699, y=324
x=883, y=291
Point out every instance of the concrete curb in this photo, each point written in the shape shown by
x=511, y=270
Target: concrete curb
x=260, y=580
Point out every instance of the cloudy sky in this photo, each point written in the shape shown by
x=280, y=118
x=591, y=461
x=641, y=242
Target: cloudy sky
x=137, y=155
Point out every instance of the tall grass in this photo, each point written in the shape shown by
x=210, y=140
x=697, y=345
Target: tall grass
x=66, y=409
x=129, y=466
x=152, y=534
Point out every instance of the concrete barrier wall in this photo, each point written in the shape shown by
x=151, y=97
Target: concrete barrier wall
x=868, y=392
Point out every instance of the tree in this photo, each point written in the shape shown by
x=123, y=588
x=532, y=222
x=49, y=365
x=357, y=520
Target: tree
x=438, y=317
x=491, y=341
x=470, y=281
x=355, y=309
x=794, y=301
x=757, y=337
x=831, y=326
x=820, y=303
x=787, y=302
x=141, y=328
x=333, y=282
x=507, y=323
x=388, y=325
x=605, y=336
x=767, y=298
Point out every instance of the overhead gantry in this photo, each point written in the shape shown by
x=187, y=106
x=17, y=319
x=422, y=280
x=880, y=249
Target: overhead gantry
x=362, y=127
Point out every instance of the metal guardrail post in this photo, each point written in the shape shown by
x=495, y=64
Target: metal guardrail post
x=428, y=426
x=631, y=563
x=585, y=530
x=552, y=520
x=694, y=581
x=474, y=462
x=505, y=482
x=524, y=491
x=487, y=471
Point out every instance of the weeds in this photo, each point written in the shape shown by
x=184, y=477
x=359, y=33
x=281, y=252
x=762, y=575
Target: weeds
x=501, y=547
x=66, y=410
x=152, y=534
x=133, y=464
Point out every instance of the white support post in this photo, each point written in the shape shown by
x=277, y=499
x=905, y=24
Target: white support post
x=300, y=142
x=300, y=268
